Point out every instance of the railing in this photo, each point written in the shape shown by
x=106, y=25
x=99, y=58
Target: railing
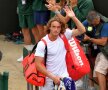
x=31, y=87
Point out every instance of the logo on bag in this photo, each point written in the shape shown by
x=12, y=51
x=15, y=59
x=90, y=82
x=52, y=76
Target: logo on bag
x=76, y=50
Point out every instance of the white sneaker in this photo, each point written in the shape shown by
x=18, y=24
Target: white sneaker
x=20, y=59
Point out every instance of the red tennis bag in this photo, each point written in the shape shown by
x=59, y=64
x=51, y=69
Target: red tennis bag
x=77, y=63
x=31, y=74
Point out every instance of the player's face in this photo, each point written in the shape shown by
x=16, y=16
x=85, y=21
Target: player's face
x=55, y=28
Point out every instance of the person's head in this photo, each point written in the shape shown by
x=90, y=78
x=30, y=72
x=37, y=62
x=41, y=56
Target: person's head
x=55, y=26
x=93, y=18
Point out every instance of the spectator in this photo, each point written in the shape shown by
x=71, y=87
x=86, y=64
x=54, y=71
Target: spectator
x=25, y=14
x=80, y=7
x=97, y=35
x=41, y=16
x=56, y=65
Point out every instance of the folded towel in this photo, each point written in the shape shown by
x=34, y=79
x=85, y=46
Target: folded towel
x=69, y=83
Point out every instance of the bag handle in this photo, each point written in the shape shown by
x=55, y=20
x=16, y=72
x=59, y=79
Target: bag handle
x=33, y=49
x=36, y=46
x=45, y=58
x=63, y=37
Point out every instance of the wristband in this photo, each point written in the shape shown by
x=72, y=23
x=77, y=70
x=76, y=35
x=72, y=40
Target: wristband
x=73, y=16
x=57, y=12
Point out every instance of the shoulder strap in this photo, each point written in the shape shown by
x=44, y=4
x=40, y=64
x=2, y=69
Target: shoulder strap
x=33, y=49
x=45, y=49
x=63, y=37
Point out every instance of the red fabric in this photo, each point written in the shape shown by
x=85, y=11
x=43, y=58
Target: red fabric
x=31, y=74
x=77, y=63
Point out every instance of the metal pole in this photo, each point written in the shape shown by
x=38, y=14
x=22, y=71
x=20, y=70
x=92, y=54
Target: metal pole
x=36, y=88
x=29, y=86
x=1, y=82
x=5, y=80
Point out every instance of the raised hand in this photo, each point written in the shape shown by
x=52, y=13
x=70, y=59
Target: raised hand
x=69, y=11
x=53, y=7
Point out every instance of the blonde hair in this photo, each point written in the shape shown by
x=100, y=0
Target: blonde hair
x=63, y=26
